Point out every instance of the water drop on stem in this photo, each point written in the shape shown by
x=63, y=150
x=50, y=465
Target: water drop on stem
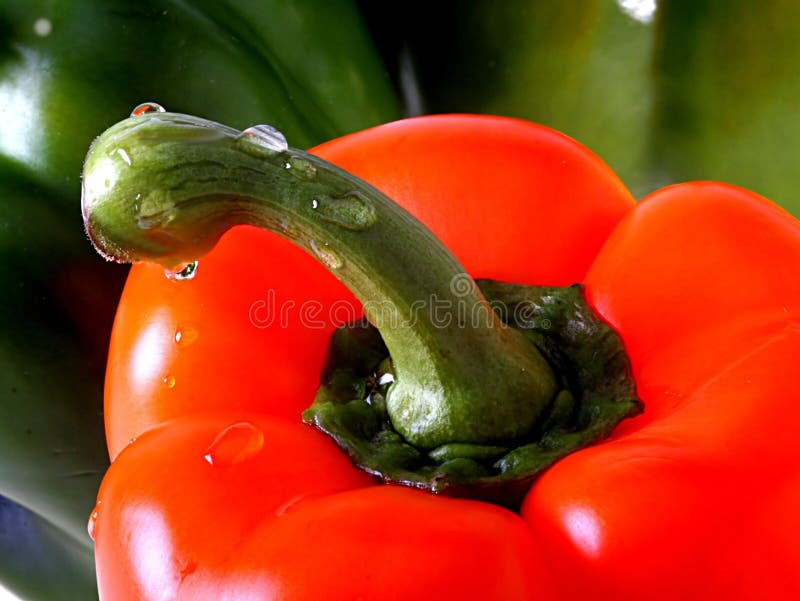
x=147, y=107
x=300, y=168
x=263, y=140
x=326, y=256
x=351, y=211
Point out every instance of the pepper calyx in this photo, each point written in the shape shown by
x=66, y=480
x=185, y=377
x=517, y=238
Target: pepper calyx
x=597, y=391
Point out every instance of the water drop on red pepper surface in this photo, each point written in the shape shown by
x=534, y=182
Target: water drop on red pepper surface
x=91, y=525
x=185, y=271
x=235, y=444
x=184, y=336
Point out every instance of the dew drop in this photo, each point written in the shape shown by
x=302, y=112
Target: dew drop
x=91, y=525
x=326, y=256
x=185, y=336
x=300, y=168
x=185, y=271
x=288, y=505
x=352, y=211
x=235, y=444
x=155, y=210
x=123, y=154
x=187, y=568
x=262, y=140
x=43, y=27
x=385, y=379
x=168, y=381
x=147, y=107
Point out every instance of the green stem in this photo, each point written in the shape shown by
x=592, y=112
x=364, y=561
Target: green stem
x=164, y=187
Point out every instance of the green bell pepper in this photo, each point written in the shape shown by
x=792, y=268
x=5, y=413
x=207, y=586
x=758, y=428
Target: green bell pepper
x=69, y=69
x=664, y=91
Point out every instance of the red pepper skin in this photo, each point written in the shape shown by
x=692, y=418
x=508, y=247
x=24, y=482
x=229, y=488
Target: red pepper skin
x=701, y=282
x=673, y=506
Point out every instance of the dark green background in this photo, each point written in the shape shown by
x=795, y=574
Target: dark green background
x=707, y=89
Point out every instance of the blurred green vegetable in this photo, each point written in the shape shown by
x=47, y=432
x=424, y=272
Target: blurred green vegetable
x=663, y=90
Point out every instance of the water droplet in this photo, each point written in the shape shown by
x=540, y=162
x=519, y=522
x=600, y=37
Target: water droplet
x=352, y=211
x=385, y=379
x=187, y=568
x=91, y=525
x=168, y=381
x=235, y=444
x=185, y=271
x=300, y=167
x=288, y=505
x=326, y=256
x=155, y=210
x=185, y=336
x=263, y=140
x=147, y=107
x=123, y=154
x=43, y=27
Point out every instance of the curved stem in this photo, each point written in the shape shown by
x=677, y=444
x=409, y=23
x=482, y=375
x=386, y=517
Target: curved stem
x=164, y=187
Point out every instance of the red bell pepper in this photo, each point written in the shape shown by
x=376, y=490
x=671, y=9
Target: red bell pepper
x=218, y=491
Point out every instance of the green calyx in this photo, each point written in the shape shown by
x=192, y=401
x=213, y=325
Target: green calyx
x=596, y=393
x=437, y=375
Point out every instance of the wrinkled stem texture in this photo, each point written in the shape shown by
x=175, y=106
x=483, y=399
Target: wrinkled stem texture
x=164, y=187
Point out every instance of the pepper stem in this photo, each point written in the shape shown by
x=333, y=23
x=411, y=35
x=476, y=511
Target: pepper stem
x=164, y=187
